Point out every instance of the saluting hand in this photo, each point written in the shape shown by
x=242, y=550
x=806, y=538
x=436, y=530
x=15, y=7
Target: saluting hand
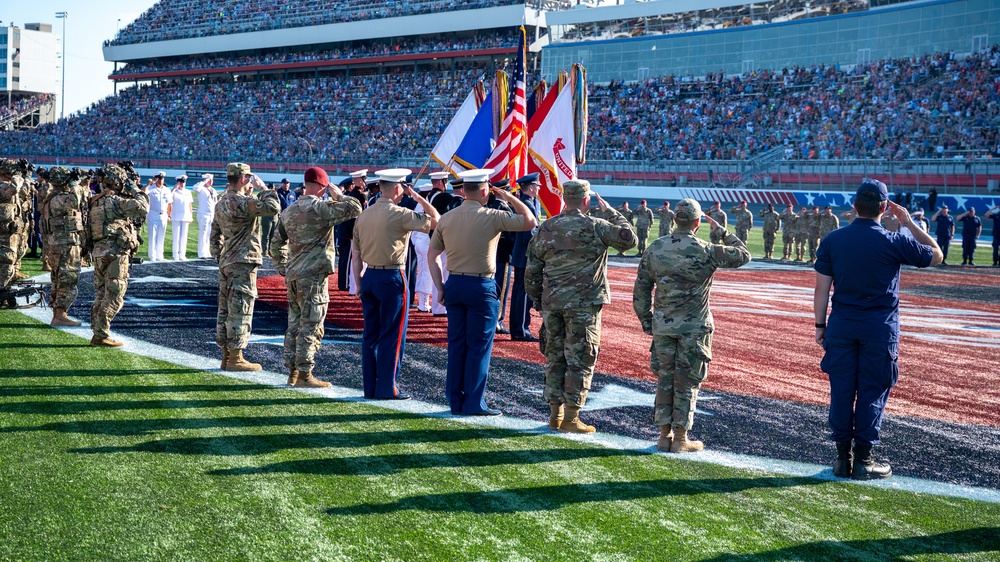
x=900, y=213
x=601, y=203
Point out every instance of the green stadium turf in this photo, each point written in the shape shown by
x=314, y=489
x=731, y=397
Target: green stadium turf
x=108, y=455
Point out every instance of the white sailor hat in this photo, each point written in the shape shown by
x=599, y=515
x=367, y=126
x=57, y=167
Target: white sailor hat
x=181, y=177
x=440, y=175
x=207, y=176
x=360, y=173
x=392, y=175
x=423, y=187
x=476, y=176
x=160, y=174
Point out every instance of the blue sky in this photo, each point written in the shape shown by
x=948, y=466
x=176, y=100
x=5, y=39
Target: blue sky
x=90, y=23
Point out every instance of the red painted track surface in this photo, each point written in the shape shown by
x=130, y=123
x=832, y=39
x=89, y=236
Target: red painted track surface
x=764, y=346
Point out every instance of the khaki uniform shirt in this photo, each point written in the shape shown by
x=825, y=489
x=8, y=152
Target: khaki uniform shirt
x=382, y=232
x=302, y=243
x=468, y=235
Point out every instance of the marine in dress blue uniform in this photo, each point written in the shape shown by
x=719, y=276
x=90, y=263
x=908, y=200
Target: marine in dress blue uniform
x=861, y=337
x=381, y=239
x=468, y=236
x=520, y=303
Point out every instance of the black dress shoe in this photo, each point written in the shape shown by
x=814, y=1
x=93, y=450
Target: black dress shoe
x=502, y=330
x=528, y=337
x=400, y=396
x=487, y=412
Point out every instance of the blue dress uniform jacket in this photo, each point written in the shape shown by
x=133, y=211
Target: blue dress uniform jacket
x=520, y=304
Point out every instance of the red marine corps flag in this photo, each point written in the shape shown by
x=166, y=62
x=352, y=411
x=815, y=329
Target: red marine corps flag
x=509, y=159
x=553, y=146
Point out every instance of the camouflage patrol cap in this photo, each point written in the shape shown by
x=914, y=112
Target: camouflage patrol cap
x=688, y=210
x=237, y=169
x=114, y=175
x=576, y=189
x=8, y=166
x=59, y=175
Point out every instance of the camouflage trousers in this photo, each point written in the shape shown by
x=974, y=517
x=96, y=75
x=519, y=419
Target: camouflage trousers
x=643, y=233
x=800, y=247
x=743, y=234
x=65, y=262
x=813, y=242
x=9, y=245
x=664, y=229
x=768, y=243
x=110, y=284
x=682, y=366
x=237, y=293
x=572, y=341
x=789, y=242
x=308, y=300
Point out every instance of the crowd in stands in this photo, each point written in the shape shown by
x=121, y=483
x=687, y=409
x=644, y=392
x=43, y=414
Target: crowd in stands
x=929, y=107
x=485, y=40
x=23, y=105
x=898, y=109
x=181, y=19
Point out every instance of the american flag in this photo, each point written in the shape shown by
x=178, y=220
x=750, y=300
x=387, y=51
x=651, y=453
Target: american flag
x=510, y=156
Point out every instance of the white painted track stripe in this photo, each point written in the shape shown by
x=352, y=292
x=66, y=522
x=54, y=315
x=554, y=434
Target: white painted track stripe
x=732, y=460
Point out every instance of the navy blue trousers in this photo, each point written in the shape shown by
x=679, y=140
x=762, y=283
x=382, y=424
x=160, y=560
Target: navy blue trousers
x=343, y=263
x=968, y=249
x=944, y=244
x=384, y=301
x=473, y=308
x=520, y=307
x=861, y=374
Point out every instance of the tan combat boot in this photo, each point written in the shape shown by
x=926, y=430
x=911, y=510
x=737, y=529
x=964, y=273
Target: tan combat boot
x=557, y=416
x=238, y=363
x=666, y=438
x=307, y=380
x=225, y=359
x=98, y=341
x=293, y=377
x=20, y=276
x=45, y=265
x=572, y=423
x=681, y=444
x=59, y=318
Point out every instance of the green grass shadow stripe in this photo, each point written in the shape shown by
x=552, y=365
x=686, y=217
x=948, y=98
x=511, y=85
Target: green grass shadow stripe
x=74, y=373
x=238, y=445
x=76, y=408
x=382, y=465
x=966, y=541
x=104, y=390
x=551, y=498
x=139, y=427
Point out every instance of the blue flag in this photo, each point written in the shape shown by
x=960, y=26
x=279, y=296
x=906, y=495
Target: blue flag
x=478, y=143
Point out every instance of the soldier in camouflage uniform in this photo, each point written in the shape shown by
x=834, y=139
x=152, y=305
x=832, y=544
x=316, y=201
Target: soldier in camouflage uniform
x=643, y=222
x=115, y=239
x=302, y=248
x=719, y=216
x=772, y=222
x=666, y=219
x=10, y=220
x=235, y=243
x=813, y=234
x=744, y=221
x=681, y=268
x=27, y=220
x=801, y=232
x=64, y=207
x=828, y=222
x=789, y=224
x=622, y=209
x=567, y=280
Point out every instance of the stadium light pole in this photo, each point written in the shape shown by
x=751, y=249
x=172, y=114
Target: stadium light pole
x=309, y=144
x=63, y=16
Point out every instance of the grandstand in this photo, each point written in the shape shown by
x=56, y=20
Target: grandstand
x=350, y=85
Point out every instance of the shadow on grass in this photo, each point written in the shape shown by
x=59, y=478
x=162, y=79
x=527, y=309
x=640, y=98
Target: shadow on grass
x=240, y=445
x=25, y=325
x=966, y=541
x=135, y=427
x=87, y=390
x=550, y=498
x=72, y=408
x=28, y=373
x=380, y=465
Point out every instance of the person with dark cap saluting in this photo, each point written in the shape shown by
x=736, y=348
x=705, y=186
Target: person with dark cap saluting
x=861, y=337
x=520, y=304
x=354, y=186
x=469, y=235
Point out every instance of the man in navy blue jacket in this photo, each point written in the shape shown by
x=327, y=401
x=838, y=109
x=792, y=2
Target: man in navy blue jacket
x=520, y=304
x=862, y=262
